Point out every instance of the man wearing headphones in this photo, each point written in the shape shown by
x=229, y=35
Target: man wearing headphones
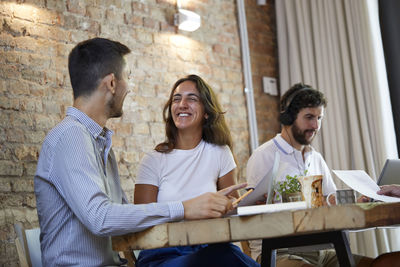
x=302, y=110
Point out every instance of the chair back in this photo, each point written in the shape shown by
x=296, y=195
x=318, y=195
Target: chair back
x=28, y=246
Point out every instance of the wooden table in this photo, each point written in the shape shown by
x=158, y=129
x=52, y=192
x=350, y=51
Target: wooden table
x=261, y=226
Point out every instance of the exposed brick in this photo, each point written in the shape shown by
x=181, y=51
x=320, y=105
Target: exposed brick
x=219, y=48
x=27, y=153
x=44, y=122
x=5, y=186
x=141, y=129
x=6, y=103
x=10, y=57
x=157, y=131
x=118, y=141
x=138, y=7
x=123, y=170
x=167, y=27
x=5, y=152
x=4, y=119
x=151, y=23
x=49, y=107
x=167, y=2
x=21, y=120
x=127, y=183
x=32, y=75
x=9, y=168
x=15, y=135
x=70, y=21
x=22, y=185
x=30, y=168
x=56, y=5
x=122, y=129
x=50, y=18
x=17, y=87
x=30, y=105
x=129, y=157
x=34, y=137
x=95, y=12
x=10, y=72
x=114, y=15
x=144, y=37
x=76, y=6
x=133, y=19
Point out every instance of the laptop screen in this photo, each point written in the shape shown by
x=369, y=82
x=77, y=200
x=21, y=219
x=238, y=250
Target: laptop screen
x=390, y=173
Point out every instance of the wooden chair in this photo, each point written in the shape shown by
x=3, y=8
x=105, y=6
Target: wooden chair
x=245, y=247
x=28, y=246
x=129, y=256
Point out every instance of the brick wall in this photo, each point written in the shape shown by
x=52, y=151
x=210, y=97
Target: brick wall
x=35, y=39
x=264, y=62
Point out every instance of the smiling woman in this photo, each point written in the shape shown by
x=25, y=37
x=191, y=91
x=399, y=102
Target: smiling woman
x=195, y=159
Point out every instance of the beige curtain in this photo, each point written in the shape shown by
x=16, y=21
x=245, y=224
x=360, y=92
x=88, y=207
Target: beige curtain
x=335, y=46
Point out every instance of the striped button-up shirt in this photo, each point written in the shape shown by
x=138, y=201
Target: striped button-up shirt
x=80, y=202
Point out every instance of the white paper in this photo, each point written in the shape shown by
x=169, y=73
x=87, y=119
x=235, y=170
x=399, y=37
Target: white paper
x=361, y=182
x=268, y=208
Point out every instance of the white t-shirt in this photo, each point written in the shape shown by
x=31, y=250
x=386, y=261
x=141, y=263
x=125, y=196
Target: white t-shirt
x=185, y=174
x=262, y=160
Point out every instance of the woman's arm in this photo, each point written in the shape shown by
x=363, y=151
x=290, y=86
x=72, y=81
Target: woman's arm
x=145, y=193
x=226, y=181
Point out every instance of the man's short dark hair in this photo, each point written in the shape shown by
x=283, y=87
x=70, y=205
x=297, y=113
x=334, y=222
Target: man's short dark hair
x=299, y=96
x=92, y=60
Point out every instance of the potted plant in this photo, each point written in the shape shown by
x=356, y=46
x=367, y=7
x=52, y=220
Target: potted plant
x=290, y=188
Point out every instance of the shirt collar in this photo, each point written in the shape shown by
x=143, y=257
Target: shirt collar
x=93, y=127
x=287, y=148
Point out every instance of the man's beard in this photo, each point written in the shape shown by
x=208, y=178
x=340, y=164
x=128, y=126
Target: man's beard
x=113, y=111
x=300, y=136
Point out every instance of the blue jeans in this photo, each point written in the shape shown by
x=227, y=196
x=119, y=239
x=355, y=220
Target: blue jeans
x=214, y=255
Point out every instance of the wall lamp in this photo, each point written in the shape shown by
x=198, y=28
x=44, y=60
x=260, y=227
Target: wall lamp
x=187, y=20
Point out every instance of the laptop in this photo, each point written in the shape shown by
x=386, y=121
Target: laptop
x=390, y=173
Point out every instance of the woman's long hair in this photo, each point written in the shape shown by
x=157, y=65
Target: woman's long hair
x=215, y=130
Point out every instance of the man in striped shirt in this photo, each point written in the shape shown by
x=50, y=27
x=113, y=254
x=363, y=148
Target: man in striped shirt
x=80, y=202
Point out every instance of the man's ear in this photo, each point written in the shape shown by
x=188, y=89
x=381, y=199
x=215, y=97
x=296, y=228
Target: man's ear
x=110, y=83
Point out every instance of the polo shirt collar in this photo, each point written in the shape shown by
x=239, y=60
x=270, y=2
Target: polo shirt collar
x=285, y=147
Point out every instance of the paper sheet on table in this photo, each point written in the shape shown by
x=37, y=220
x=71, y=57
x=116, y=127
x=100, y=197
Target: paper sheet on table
x=269, y=208
x=361, y=182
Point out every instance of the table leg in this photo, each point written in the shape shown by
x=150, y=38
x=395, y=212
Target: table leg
x=268, y=254
x=342, y=248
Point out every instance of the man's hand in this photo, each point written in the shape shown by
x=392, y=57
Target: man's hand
x=390, y=190
x=210, y=205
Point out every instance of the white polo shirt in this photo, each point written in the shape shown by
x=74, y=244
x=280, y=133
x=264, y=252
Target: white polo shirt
x=262, y=160
x=291, y=163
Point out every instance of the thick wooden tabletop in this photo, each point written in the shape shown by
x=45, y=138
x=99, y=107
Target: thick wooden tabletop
x=266, y=225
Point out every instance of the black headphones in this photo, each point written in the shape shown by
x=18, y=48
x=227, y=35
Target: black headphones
x=286, y=117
